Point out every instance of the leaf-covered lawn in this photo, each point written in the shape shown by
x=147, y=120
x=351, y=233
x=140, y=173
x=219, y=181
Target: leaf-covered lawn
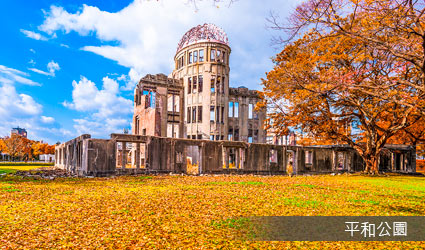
x=11, y=168
x=190, y=212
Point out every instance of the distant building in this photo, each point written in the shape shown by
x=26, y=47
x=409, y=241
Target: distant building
x=19, y=131
x=47, y=158
x=274, y=138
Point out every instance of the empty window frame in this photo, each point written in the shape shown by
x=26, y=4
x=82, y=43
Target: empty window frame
x=170, y=102
x=188, y=115
x=230, y=134
x=190, y=57
x=250, y=135
x=212, y=84
x=170, y=129
x=212, y=115
x=176, y=103
x=212, y=57
x=236, y=136
x=152, y=99
x=195, y=56
x=218, y=85
x=255, y=114
x=273, y=156
x=200, y=83
x=137, y=125
x=217, y=114
x=149, y=98
x=250, y=110
x=201, y=55
x=193, y=114
x=212, y=137
x=176, y=131
x=199, y=113
x=195, y=84
x=218, y=56
x=189, y=85
x=233, y=109
x=308, y=157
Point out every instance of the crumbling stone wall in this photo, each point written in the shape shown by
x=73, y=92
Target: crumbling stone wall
x=151, y=154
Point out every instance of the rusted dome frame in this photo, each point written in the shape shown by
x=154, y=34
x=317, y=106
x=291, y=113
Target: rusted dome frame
x=205, y=32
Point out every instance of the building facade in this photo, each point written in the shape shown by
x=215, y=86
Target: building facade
x=195, y=100
x=19, y=131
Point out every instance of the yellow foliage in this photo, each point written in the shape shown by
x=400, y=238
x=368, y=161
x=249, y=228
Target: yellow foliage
x=176, y=212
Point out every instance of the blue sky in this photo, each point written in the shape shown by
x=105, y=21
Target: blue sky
x=70, y=67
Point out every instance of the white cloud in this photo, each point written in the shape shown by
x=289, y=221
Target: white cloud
x=34, y=35
x=107, y=111
x=32, y=50
x=39, y=71
x=32, y=62
x=130, y=80
x=147, y=32
x=51, y=67
x=10, y=76
x=105, y=102
x=98, y=128
x=13, y=104
x=47, y=119
x=19, y=109
x=64, y=45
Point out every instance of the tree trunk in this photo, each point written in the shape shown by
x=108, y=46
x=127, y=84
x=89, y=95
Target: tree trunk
x=372, y=163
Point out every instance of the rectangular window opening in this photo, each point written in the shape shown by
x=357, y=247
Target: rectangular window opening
x=195, y=84
x=201, y=55
x=188, y=115
x=212, y=115
x=193, y=114
x=199, y=113
x=200, y=83
x=250, y=109
x=195, y=56
x=212, y=57
x=217, y=114
x=212, y=84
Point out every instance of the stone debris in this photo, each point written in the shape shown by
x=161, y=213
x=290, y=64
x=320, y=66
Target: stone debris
x=45, y=173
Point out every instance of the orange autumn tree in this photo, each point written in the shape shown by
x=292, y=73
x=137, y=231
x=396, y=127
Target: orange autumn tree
x=3, y=147
x=358, y=62
x=412, y=135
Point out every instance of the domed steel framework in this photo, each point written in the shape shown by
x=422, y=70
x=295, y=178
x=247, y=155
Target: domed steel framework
x=207, y=32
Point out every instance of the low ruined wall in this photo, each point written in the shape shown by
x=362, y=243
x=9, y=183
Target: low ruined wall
x=132, y=154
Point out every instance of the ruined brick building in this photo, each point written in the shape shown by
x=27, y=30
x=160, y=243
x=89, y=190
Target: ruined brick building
x=195, y=100
x=192, y=122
